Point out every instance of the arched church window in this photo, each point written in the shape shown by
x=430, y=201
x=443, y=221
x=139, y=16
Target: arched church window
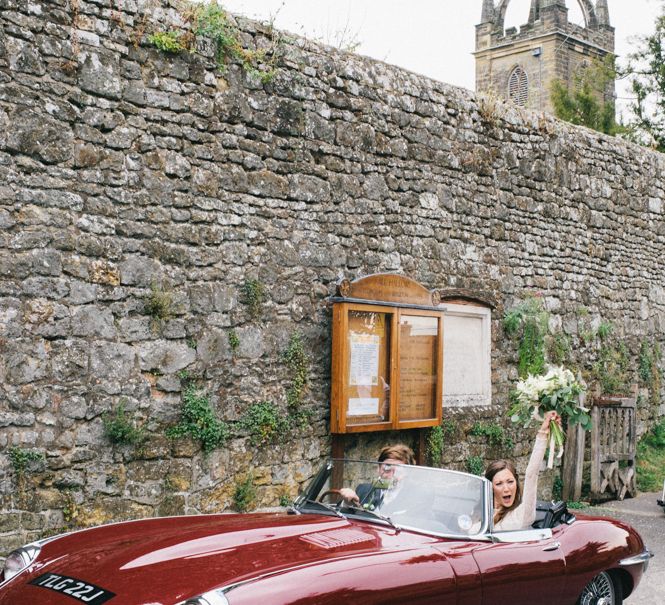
x=518, y=87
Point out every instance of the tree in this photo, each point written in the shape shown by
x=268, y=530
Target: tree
x=584, y=103
x=646, y=73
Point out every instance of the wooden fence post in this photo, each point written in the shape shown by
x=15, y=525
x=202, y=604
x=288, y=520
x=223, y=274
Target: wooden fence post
x=573, y=460
x=573, y=463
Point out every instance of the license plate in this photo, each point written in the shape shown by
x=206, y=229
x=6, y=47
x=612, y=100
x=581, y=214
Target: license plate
x=76, y=589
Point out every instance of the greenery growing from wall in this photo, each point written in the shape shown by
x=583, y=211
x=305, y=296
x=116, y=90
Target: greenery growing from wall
x=159, y=303
x=435, y=445
x=120, y=429
x=21, y=459
x=604, y=330
x=436, y=439
x=601, y=357
x=612, y=368
x=253, y=296
x=649, y=369
x=265, y=423
x=198, y=420
x=244, y=496
x=234, y=342
x=651, y=459
x=168, y=41
x=558, y=349
x=210, y=20
x=475, y=465
x=528, y=322
x=494, y=433
x=297, y=361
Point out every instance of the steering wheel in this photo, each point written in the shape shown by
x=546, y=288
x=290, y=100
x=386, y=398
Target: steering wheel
x=330, y=492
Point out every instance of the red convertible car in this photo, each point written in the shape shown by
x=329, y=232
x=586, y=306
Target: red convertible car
x=414, y=535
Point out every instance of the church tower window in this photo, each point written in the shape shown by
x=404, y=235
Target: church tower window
x=518, y=86
x=519, y=59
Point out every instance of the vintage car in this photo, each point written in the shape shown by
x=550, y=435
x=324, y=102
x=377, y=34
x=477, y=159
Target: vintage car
x=414, y=535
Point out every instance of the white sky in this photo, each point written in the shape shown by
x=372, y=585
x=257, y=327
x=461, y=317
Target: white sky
x=431, y=37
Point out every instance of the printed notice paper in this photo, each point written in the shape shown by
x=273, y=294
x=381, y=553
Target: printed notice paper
x=364, y=366
x=363, y=406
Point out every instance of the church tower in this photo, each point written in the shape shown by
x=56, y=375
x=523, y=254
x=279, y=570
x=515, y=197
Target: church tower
x=520, y=65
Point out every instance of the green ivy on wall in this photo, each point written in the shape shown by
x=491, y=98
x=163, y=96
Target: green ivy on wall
x=265, y=423
x=22, y=460
x=649, y=369
x=298, y=362
x=528, y=322
x=210, y=20
x=436, y=438
x=244, y=495
x=120, y=429
x=197, y=419
x=494, y=433
x=253, y=297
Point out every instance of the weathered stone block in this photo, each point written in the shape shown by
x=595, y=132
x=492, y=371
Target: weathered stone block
x=28, y=364
x=139, y=271
x=251, y=342
x=267, y=184
x=165, y=356
x=132, y=329
x=24, y=57
x=36, y=134
x=111, y=361
x=308, y=188
x=91, y=320
x=100, y=74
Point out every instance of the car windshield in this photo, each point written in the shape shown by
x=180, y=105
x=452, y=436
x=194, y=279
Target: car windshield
x=410, y=497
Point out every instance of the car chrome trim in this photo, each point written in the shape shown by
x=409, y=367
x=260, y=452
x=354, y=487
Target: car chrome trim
x=214, y=597
x=643, y=557
x=552, y=546
x=28, y=554
x=523, y=535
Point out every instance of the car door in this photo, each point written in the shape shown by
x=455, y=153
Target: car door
x=521, y=568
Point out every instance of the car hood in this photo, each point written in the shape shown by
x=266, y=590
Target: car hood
x=163, y=561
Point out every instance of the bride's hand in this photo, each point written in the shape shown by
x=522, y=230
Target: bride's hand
x=549, y=417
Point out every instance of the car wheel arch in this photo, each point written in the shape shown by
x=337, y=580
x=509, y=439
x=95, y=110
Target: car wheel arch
x=623, y=580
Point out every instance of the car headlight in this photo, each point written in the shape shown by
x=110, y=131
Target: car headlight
x=214, y=597
x=18, y=560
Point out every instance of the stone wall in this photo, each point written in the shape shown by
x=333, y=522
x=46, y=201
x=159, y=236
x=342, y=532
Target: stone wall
x=141, y=192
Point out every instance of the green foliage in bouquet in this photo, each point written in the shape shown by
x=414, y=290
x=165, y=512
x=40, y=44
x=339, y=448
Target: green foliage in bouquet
x=557, y=390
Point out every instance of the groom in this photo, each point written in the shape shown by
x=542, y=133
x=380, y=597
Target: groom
x=384, y=488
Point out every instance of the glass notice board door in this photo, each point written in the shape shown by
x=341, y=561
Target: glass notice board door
x=368, y=367
x=387, y=369
x=419, y=344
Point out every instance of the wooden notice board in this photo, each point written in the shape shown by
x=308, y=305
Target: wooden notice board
x=387, y=358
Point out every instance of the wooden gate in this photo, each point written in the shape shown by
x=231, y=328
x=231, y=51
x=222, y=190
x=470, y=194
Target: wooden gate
x=613, y=445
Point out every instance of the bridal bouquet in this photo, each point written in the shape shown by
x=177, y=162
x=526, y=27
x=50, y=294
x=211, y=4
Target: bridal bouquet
x=556, y=390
